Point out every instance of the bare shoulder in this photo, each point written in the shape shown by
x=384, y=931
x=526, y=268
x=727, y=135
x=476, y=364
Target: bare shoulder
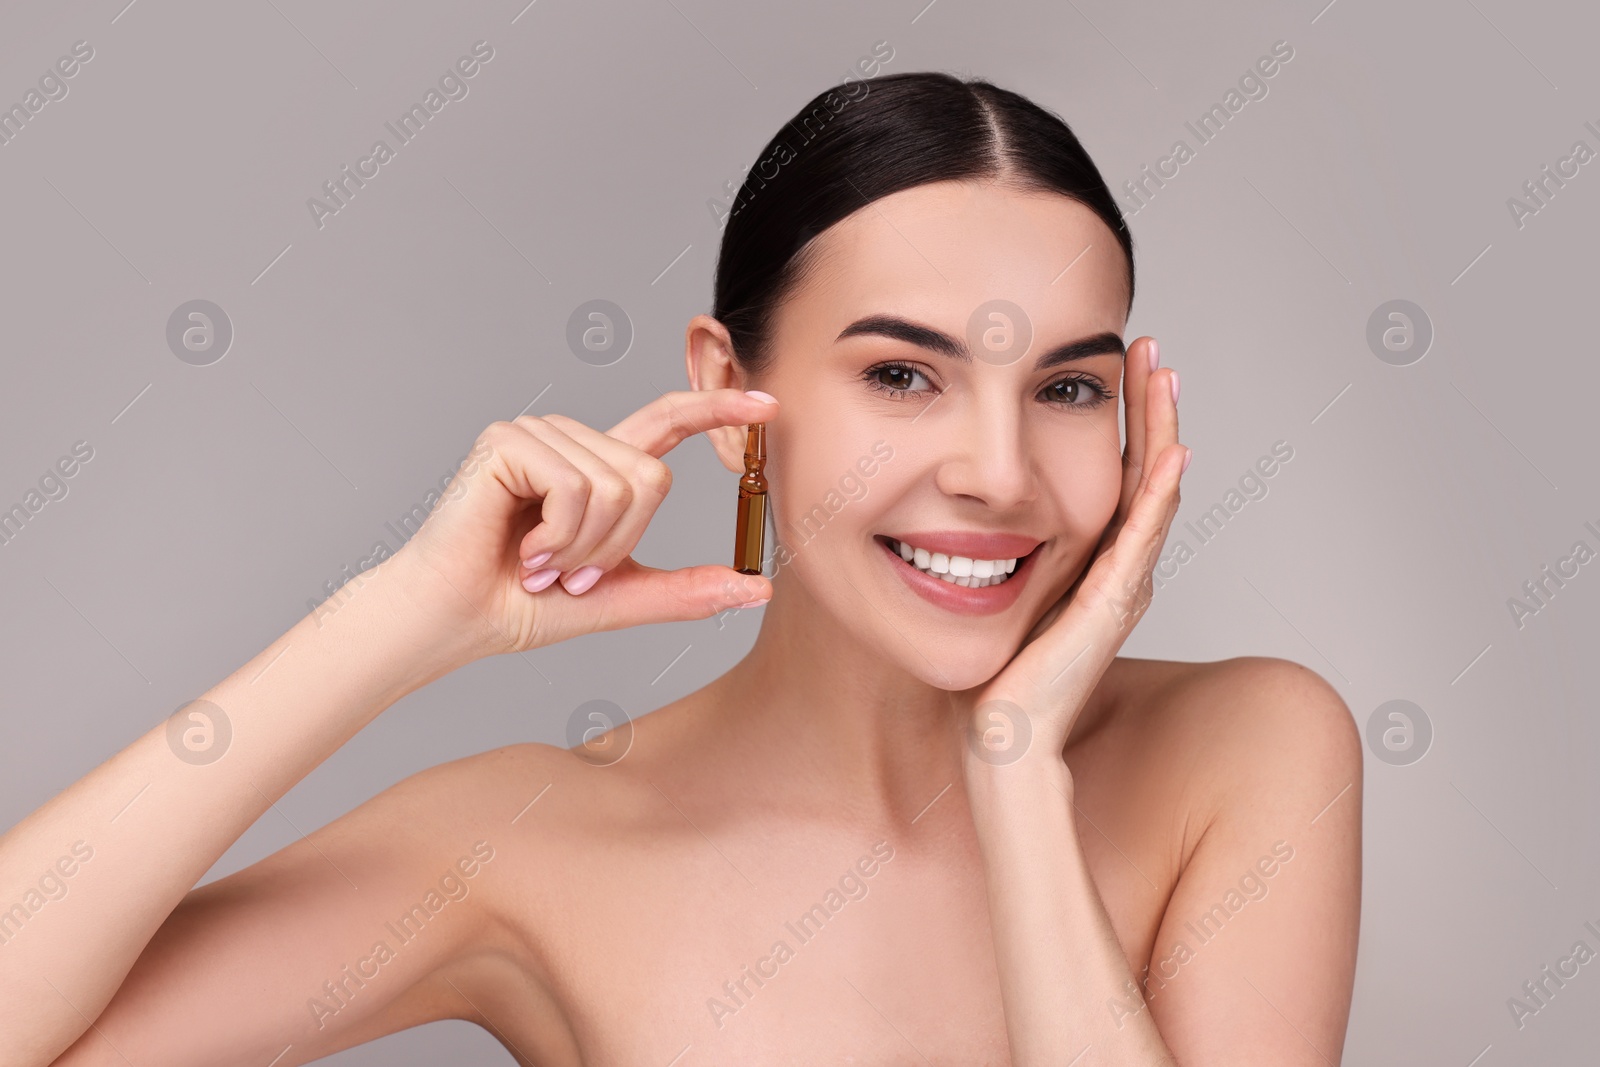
x=1250, y=725
x=551, y=804
x=520, y=804
x=506, y=789
x=1270, y=761
x=1260, y=701
x=524, y=811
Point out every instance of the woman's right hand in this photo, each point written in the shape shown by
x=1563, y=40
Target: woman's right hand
x=574, y=502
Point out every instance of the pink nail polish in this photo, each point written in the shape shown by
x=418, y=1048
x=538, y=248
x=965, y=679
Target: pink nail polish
x=759, y=395
x=532, y=563
x=581, y=579
x=755, y=603
x=1155, y=355
x=540, y=579
x=1174, y=387
x=1187, y=456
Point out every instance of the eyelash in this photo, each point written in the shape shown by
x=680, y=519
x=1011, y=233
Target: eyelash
x=1099, y=392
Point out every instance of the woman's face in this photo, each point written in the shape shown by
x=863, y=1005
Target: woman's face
x=911, y=411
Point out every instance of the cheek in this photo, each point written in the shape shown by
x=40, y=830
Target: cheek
x=816, y=463
x=1089, y=493
x=802, y=472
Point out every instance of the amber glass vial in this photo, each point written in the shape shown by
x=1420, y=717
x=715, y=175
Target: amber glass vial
x=752, y=522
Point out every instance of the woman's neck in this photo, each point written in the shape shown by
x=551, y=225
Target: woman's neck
x=812, y=707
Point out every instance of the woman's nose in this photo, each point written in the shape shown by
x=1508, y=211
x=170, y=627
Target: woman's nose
x=987, y=456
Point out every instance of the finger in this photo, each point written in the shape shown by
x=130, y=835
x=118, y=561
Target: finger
x=632, y=594
x=1125, y=590
x=1135, y=387
x=533, y=472
x=665, y=422
x=648, y=479
x=609, y=497
x=1160, y=412
x=1154, y=509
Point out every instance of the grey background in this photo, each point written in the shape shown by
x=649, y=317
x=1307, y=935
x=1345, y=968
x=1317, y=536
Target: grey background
x=368, y=354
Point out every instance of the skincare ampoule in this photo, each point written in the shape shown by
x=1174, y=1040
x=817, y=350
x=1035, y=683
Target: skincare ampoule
x=752, y=522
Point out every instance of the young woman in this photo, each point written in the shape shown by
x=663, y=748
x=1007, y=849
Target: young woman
x=932, y=817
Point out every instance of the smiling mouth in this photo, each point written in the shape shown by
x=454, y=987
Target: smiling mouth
x=964, y=571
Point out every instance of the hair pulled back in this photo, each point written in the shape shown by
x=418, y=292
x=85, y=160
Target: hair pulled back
x=854, y=144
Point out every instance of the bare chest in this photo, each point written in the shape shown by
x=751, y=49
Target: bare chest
x=800, y=948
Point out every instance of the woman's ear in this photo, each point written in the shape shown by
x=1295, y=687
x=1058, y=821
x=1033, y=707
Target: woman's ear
x=708, y=353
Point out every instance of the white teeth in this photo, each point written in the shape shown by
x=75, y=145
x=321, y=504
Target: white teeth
x=957, y=570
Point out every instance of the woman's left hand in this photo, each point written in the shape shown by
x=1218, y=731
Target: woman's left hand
x=1031, y=705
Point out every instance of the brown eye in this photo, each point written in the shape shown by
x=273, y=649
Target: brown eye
x=1066, y=390
x=895, y=379
x=1081, y=393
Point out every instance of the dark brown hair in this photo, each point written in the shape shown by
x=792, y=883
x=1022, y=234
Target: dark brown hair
x=853, y=144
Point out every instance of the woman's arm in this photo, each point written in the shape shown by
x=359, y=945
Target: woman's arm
x=139, y=831
x=385, y=919
x=1273, y=987
x=1059, y=959
x=153, y=821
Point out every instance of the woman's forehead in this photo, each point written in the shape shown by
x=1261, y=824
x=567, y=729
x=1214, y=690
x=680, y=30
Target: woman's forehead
x=932, y=250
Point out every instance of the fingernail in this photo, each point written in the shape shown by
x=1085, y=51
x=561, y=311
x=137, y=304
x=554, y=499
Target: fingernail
x=581, y=579
x=759, y=395
x=1188, y=454
x=1155, y=355
x=533, y=562
x=755, y=603
x=1174, y=386
x=539, y=579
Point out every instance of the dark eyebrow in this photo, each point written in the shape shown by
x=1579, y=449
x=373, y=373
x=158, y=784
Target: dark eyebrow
x=937, y=341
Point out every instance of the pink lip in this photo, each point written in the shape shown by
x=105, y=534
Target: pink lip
x=960, y=599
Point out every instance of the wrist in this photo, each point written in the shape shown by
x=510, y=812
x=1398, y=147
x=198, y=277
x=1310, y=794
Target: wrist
x=1017, y=806
x=382, y=609
x=1033, y=775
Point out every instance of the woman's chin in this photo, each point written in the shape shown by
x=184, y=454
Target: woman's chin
x=958, y=671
